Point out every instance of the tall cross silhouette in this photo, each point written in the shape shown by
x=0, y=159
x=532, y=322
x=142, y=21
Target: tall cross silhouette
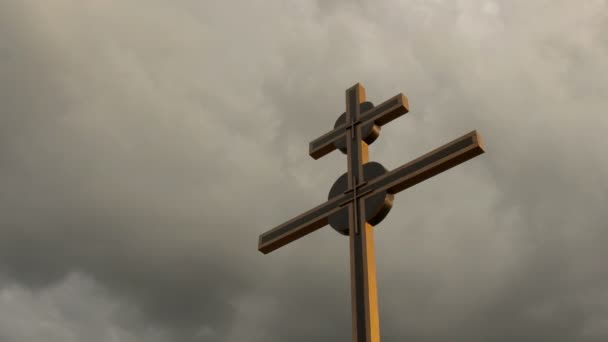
x=363, y=196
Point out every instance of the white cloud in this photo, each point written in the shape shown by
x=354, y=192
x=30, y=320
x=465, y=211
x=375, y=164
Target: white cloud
x=74, y=310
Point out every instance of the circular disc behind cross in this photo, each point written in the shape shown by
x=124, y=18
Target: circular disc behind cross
x=370, y=131
x=377, y=205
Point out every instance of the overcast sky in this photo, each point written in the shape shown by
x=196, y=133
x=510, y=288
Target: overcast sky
x=144, y=146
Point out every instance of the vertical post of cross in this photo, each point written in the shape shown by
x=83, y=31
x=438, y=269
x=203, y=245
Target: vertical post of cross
x=365, y=317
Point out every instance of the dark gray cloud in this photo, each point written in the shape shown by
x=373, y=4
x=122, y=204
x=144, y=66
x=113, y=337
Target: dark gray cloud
x=143, y=148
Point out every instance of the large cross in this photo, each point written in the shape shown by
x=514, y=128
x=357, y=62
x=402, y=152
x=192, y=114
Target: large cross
x=363, y=196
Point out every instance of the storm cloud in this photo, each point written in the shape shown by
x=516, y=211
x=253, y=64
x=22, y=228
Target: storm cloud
x=144, y=146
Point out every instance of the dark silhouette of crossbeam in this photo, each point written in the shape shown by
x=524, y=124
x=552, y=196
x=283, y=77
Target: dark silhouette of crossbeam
x=353, y=135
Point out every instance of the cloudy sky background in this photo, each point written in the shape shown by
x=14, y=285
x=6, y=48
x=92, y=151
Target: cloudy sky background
x=144, y=146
